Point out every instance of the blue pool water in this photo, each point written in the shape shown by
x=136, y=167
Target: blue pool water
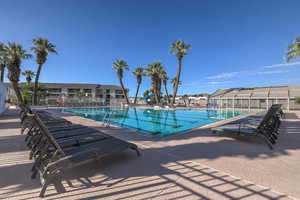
x=155, y=122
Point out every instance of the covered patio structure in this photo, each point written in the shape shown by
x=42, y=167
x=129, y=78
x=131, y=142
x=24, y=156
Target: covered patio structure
x=257, y=97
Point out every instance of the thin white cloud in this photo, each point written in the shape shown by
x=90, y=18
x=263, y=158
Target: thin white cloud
x=272, y=72
x=218, y=82
x=224, y=75
x=283, y=65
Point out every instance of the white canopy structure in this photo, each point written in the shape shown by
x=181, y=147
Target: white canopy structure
x=257, y=97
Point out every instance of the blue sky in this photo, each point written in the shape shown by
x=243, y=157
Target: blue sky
x=235, y=43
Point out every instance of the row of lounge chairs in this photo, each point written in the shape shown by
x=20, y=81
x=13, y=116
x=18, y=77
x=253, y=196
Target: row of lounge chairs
x=57, y=145
x=264, y=125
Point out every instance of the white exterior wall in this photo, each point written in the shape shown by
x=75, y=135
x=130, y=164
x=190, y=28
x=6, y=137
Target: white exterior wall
x=3, y=96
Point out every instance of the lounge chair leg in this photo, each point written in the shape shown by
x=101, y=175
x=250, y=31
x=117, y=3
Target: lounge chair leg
x=45, y=185
x=136, y=150
x=33, y=167
x=267, y=141
x=34, y=174
x=42, y=193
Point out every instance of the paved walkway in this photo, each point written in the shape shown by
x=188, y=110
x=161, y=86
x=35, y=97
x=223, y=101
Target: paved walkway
x=196, y=165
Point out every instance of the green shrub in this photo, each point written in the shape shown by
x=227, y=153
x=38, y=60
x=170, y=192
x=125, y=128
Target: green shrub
x=297, y=100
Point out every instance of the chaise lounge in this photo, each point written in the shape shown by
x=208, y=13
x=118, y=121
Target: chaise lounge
x=265, y=126
x=63, y=148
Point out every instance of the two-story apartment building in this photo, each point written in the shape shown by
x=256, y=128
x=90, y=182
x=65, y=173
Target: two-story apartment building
x=69, y=92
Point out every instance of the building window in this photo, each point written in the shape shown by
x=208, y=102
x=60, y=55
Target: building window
x=107, y=90
x=71, y=95
x=55, y=90
x=53, y=95
x=120, y=97
x=73, y=90
x=87, y=90
x=108, y=96
x=119, y=91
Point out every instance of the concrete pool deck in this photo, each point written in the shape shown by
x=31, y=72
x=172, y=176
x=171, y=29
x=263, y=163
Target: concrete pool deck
x=193, y=165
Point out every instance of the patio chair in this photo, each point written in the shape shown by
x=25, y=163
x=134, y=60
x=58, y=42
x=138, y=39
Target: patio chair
x=56, y=156
x=266, y=127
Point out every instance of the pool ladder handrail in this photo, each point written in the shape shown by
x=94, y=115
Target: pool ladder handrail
x=106, y=121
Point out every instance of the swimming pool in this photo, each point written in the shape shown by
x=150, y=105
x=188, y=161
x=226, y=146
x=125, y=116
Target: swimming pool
x=154, y=122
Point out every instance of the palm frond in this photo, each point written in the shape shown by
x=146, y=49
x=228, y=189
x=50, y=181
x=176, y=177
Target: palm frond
x=179, y=48
x=293, y=50
x=120, y=65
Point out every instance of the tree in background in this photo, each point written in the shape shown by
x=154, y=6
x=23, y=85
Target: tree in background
x=15, y=54
x=154, y=71
x=173, y=82
x=119, y=66
x=27, y=92
x=41, y=47
x=138, y=73
x=28, y=75
x=297, y=100
x=180, y=49
x=165, y=78
x=293, y=53
x=293, y=50
x=3, y=61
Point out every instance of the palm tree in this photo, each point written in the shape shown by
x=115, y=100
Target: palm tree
x=180, y=49
x=15, y=54
x=173, y=81
x=119, y=66
x=41, y=47
x=185, y=97
x=138, y=73
x=293, y=50
x=2, y=61
x=28, y=75
x=154, y=71
x=165, y=78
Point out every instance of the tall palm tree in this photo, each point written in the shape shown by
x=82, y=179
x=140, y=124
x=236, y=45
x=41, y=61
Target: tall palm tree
x=180, y=49
x=2, y=61
x=173, y=82
x=15, y=54
x=165, y=78
x=138, y=73
x=28, y=75
x=154, y=71
x=293, y=50
x=119, y=66
x=41, y=47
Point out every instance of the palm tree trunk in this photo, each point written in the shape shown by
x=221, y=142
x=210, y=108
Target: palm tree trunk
x=159, y=90
x=137, y=91
x=177, y=79
x=156, y=92
x=167, y=93
x=36, y=84
x=124, y=91
x=2, y=67
x=17, y=92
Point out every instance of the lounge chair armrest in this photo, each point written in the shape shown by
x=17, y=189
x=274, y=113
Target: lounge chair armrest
x=247, y=125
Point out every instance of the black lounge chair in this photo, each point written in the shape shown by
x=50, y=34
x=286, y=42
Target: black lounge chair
x=52, y=156
x=265, y=127
x=46, y=117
